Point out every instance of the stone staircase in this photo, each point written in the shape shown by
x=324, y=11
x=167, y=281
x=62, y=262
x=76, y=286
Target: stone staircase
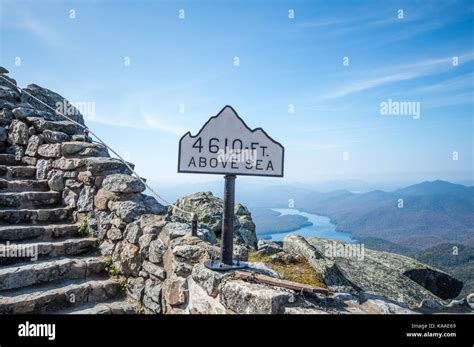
x=68, y=276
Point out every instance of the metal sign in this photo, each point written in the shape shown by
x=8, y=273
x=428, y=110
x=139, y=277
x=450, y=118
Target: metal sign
x=226, y=145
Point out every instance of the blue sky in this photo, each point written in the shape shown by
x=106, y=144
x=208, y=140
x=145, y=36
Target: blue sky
x=283, y=61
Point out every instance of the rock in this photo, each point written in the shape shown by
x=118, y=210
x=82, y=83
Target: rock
x=154, y=270
x=250, y=298
x=152, y=296
x=42, y=168
x=144, y=243
x=199, y=302
x=18, y=133
x=264, y=269
x=209, y=210
x=470, y=298
x=374, y=304
x=23, y=112
x=151, y=223
x=52, y=99
x=431, y=304
x=209, y=280
x=6, y=115
x=33, y=144
x=114, y=234
x=3, y=135
x=56, y=180
x=30, y=161
x=85, y=202
x=107, y=248
x=152, y=206
x=67, y=127
x=127, y=258
x=127, y=210
x=190, y=253
x=175, y=291
x=388, y=275
x=133, y=232
x=120, y=183
x=106, y=166
x=17, y=150
x=156, y=251
x=267, y=248
x=67, y=163
x=51, y=136
x=102, y=198
x=177, y=229
x=3, y=70
x=135, y=288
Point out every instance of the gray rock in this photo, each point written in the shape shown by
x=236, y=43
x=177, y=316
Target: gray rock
x=250, y=298
x=85, y=202
x=127, y=258
x=42, y=168
x=144, y=243
x=55, y=180
x=107, y=248
x=120, y=183
x=18, y=133
x=388, y=275
x=17, y=150
x=3, y=134
x=267, y=248
x=114, y=234
x=6, y=115
x=175, y=291
x=153, y=206
x=431, y=304
x=33, y=144
x=209, y=211
x=127, y=210
x=133, y=232
x=52, y=99
x=209, y=280
x=151, y=223
x=50, y=150
x=51, y=136
x=156, y=251
x=68, y=163
x=154, y=270
x=135, y=288
x=23, y=112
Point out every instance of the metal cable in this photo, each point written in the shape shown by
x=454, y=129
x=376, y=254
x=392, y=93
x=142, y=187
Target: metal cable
x=192, y=214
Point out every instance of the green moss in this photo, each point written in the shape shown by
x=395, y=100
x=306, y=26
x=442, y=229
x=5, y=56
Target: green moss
x=299, y=271
x=83, y=229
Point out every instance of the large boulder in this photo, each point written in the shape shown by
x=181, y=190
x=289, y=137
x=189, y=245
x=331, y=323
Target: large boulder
x=209, y=211
x=120, y=183
x=33, y=92
x=384, y=274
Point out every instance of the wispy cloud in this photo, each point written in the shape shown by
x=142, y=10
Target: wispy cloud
x=396, y=74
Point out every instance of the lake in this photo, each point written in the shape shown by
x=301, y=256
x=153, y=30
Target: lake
x=322, y=227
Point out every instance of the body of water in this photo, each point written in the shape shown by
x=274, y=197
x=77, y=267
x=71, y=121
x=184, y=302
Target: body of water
x=322, y=227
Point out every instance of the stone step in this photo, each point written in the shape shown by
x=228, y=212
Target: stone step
x=111, y=307
x=49, y=270
x=45, y=298
x=21, y=251
x=29, y=199
x=16, y=216
x=16, y=172
x=23, y=185
x=8, y=159
x=38, y=232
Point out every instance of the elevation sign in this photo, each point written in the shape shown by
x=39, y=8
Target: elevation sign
x=226, y=145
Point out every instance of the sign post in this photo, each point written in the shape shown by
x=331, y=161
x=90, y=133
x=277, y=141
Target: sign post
x=226, y=145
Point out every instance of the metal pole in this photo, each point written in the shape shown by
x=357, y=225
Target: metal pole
x=194, y=225
x=227, y=237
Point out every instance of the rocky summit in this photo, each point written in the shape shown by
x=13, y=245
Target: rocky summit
x=78, y=235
